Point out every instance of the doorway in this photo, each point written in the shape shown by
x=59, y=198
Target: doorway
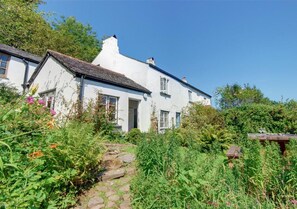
x=133, y=114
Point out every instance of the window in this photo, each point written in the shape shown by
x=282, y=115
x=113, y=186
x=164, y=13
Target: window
x=49, y=98
x=4, y=59
x=164, y=85
x=190, y=95
x=164, y=119
x=110, y=104
x=177, y=120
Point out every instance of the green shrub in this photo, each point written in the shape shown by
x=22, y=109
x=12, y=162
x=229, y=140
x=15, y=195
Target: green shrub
x=8, y=93
x=134, y=136
x=41, y=165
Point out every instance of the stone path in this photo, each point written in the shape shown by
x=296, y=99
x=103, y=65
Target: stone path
x=114, y=189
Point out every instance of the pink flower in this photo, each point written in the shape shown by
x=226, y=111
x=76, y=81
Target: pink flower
x=30, y=100
x=41, y=102
x=294, y=202
x=53, y=112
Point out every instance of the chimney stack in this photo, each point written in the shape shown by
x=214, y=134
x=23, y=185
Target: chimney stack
x=184, y=79
x=150, y=61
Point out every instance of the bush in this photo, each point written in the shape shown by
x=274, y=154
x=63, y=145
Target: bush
x=253, y=117
x=205, y=126
x=8, y=93
x=134, y=136
x=42, y=165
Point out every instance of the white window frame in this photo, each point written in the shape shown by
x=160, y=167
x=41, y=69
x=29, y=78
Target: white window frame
x=5, y=68
x=164, y=119
x=177, y=125
x=164, y=85
x=107, y=106
x=49, y=98
x=190, y=95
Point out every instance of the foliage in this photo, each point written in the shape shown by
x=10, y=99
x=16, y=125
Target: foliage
x=205, y=126
x=251, y=118
x=85, y=42
x=235, y=95
x=197, y=115
x=42, y=165
x=134, y=136
x=171, y=176
x=24, y=27
x=96, y=114
x=8, y=93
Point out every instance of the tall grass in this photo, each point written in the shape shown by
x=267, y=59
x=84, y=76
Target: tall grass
x=172, y=176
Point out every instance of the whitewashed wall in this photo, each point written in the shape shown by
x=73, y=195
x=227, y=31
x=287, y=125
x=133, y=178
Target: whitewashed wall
x=142, y=73
x=92, y=88
x=54, y=76
x=16, y=72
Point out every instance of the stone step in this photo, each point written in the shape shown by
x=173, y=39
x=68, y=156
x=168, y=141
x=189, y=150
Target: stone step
x=113, y=174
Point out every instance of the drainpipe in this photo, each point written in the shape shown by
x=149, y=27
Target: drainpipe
x=82, y=88
x=26, y=75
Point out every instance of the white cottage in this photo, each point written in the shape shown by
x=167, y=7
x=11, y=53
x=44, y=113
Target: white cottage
x=63, y=80
x=137, y=91
x=169, y=94
x=16, y=66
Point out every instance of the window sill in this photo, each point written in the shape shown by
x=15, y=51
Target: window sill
x=4, y=77
x=165, y=94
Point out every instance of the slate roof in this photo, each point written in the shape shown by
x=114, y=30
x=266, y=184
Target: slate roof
x=170, y=75
x=20, y=53
x=90, y=71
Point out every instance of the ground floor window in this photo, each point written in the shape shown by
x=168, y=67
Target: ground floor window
x=164, y=119
x=177, y=119
x=4, y=59
x=110, y=104
x=48, y=98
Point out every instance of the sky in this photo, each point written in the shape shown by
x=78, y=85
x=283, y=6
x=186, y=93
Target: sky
x=211, y=43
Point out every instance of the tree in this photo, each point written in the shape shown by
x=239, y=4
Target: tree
x=235, y=95
x=86, y=44
x=24, y=27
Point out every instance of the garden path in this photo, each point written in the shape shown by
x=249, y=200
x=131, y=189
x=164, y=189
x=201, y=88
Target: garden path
x=113, y=191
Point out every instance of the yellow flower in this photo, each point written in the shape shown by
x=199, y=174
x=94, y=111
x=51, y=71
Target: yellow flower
x=33, y=89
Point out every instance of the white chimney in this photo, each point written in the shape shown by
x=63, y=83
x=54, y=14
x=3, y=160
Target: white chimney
x=111, y=44
x=184, y=79
x=151, y=61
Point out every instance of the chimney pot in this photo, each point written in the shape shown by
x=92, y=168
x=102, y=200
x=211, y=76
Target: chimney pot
x=151, y=61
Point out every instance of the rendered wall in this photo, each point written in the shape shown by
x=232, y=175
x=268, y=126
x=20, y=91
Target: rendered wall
x=16, y=72
x=142, y=73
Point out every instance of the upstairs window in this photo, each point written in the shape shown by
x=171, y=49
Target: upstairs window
x=164, y=85
x=190, y=96
x=4, y=59
x=164, y=119
x=110, y=103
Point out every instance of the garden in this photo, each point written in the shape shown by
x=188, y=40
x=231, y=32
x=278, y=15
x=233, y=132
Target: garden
x=45, y=163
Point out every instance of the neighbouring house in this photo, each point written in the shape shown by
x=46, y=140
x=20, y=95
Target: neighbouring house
x=139, y=93
x=170, y=95
x=16, y=66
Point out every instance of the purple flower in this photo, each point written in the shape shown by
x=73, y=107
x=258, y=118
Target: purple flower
x=30, y=100
x=53, y=112
x=294, y=202
x=41, y=102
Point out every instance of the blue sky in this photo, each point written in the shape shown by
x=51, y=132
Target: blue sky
x=212, y=43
